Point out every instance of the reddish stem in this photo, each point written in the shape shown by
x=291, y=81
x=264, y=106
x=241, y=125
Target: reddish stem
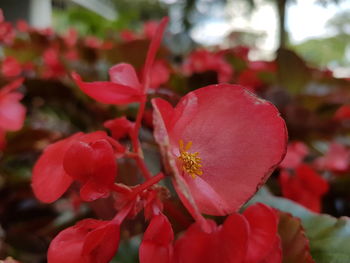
x=151, y=181
x=136, y=143
x=121, y=189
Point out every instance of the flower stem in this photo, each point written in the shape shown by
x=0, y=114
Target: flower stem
x=136, y=143
x=151, y=181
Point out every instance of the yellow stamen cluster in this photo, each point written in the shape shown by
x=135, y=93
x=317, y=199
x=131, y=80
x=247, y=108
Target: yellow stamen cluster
x=190, y=161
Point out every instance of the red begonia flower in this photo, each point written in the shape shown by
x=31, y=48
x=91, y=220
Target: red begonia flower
x=53, y=65
x=248, y=238
x=119, y=127
x=12, y=113
x=221, y=143
x=127, y=35
x=202, y=60
x=7, y=32
x=306, y=186
x=157, y=241
x=89, y=241
x=124, y=86
x=61, y=163
x=150, y=29
x=296, y=152
x=92, y=164
x=93, y=42
x=71, y=37
x=343, y=113
x=22, y=26
x=251, y=78
x=11, y=67
x=337, y=159
x=160, y=74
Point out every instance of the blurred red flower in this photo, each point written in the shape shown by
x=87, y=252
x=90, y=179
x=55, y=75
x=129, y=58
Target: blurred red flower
x=304, y=186
x=201, y=61
x=11, y=67
x=296, y=152
x=12, y=112
x=337, y=159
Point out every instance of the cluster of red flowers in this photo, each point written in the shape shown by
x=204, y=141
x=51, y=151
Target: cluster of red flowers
x=218, y=145
x=210, y=170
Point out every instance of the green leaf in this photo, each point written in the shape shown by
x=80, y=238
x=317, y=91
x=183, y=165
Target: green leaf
x=329, y=236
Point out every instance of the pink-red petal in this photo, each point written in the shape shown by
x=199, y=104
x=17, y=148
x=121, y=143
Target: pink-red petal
x=108, y=92
x=89, y=241
x=157, y=241
x=152, y=50
x=49, y=179
x=124, y=74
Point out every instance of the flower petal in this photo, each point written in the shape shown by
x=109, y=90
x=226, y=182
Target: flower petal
x=152, y=51
x=108, y=92
x=50, y=180
x=88, y=241
x=12, y=112
x=157, y=241
x=263, y=222
x=124, y=74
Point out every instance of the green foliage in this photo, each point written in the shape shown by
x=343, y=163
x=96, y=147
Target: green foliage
x=130, y=14
x=329, y=236
x=325, y=51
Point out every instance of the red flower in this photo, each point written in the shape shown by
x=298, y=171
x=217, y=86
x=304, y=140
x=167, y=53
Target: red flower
x=127, y=35
x=89, y=241
x=11, y=67
x=22, y=26
x=12, y=113
x=86, y=158
x=71, y=37
x=7, y=33
x=251, y=78
x=150, y=29
x=248, y=238
x=343, y=113
x=201, y=61
x=53, y=66
x=306, y=187
x=336, y=159
x=124, y=86
x=221, y=143
x=160, y=74
x=120, y=127
x=157, y=241
x=296, y=152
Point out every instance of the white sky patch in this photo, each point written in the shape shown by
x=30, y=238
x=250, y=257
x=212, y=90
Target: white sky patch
x=210, y=32
x=305, y=19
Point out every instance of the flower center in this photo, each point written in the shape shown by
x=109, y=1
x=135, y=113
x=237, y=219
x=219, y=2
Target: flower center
x=190, y=161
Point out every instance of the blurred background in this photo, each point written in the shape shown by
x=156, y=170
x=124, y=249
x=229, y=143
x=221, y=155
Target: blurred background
x=295, y=53
x=317, y=29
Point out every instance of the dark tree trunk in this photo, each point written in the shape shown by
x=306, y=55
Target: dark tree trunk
x=281, y=8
